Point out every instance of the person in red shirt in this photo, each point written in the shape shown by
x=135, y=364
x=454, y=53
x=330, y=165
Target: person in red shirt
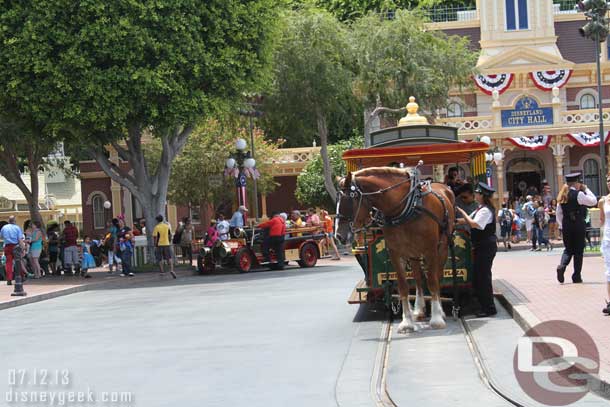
x=275, y=239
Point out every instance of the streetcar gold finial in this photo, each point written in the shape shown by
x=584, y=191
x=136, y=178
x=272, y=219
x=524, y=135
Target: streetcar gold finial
x=412, y=117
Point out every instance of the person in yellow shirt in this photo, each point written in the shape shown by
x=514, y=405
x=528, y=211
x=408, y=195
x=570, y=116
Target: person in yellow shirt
x=162, y=237
x=297, y=222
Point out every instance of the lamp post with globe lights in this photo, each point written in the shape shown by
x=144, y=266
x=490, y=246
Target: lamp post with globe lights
x=241, y=165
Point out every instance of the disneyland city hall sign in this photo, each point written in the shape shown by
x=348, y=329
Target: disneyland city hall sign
x=527, y=113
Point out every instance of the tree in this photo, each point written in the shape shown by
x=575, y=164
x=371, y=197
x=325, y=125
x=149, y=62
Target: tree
x=313, y=80
x=310, y=182
x=24, y=145
x=399, y=58
x=120, y=72
x=197, y=173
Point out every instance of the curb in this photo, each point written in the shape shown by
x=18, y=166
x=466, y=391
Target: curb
x=73, y=290
x=526, y=320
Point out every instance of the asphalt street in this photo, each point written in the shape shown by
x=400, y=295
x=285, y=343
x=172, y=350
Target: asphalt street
x=266, y=338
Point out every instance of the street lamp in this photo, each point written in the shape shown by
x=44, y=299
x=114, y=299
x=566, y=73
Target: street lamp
x=253, y=101
x=596, y=29
x=241, y=165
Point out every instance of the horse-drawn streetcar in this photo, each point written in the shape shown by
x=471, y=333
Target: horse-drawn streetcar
x=402, y=222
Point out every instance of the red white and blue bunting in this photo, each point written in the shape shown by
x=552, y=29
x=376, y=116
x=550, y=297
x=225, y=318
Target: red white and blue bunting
x=489, y=83
x=587, y=139
x=531, y=143
x=547, y=80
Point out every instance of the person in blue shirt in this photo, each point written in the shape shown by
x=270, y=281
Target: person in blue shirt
x=238, y=218
x=13, y=237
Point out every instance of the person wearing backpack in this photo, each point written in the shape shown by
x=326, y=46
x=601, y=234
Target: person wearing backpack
x=505, y=217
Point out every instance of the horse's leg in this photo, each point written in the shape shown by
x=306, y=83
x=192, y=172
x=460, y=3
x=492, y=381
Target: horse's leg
x=419, y=310
x=407, y=324
x=435, y=271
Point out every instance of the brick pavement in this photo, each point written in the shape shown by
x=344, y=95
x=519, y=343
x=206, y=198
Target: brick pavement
x=528, y=282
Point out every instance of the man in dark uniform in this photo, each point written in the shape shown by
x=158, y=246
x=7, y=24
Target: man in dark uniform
x=571, y=214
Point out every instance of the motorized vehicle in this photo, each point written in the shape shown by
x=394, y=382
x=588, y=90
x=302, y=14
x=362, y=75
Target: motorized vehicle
x=244, y=250
x=409, y=145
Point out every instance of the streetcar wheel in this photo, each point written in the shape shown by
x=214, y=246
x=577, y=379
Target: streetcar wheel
x=243, y=260
x=308, y=255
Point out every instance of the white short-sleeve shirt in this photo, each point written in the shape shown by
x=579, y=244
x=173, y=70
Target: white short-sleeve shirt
x=482, y=217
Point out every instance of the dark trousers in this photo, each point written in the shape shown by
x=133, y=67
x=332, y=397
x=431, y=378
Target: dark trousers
x=187, y=252
x=126, y=261
x=538, y=236
x=276, y=243
x=574, y=241
x=484, y=254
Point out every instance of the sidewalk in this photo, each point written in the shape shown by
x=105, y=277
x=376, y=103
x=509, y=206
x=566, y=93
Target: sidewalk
x=56, y=286
x=527, y=281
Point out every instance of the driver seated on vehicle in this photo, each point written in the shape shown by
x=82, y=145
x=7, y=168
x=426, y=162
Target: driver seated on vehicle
x=274, y=239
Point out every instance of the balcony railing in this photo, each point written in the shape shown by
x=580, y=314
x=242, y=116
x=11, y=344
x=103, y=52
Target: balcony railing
x=467, y=124
x=454, y=13
x=564, y=7
x=584, y=116
x=296, y=155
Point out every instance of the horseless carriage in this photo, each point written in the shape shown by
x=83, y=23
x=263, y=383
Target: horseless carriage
x=244, y=250
x=401, y=223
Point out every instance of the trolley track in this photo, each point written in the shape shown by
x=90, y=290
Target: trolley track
x=379, y=389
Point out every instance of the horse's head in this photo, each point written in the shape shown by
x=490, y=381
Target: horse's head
x=352, y=209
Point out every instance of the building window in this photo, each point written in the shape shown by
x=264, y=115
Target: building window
x=516, y=15
x=99, y=214
x=592, y=175
x=455, y=110
x=587, y=101
x=195, y=214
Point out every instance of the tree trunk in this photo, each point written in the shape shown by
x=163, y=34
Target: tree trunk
x=149, y=189
x=328, y=170
x=9, y=169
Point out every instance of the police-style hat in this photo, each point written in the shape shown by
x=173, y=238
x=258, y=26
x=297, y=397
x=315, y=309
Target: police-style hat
x=484, y=189
x=573, y=177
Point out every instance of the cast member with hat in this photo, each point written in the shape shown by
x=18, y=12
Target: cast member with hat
x=573, y=201
x=482, y=223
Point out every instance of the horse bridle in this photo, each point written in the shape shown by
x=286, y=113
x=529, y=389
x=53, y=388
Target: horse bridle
x=355, y=192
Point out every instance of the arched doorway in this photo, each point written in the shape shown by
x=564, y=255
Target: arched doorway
x=524, y=176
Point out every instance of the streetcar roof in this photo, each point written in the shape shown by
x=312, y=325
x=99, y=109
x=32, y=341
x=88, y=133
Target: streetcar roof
x=445, y=153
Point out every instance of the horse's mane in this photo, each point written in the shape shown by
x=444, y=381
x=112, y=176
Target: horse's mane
x=402, y=172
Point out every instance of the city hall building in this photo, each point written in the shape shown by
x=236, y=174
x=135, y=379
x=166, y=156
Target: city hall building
x=535, y=94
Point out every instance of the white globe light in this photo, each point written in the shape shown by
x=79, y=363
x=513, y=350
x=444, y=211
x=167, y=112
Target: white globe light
x=497, y=156
x=249, y=162
x=486, y=140
x=230, y=163
x=488, y=157
x=240, y=144
x=107, y=204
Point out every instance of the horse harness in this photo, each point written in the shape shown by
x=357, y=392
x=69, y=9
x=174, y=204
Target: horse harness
x=413, y=204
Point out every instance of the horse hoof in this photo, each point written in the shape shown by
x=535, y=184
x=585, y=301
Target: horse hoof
x=438, y=324
x=419, y=316
x=404, y=328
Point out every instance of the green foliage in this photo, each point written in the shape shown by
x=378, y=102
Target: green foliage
x=398, y=58
x=197, y=173
x=105, y=66
x=310, y=183
x=313, y=74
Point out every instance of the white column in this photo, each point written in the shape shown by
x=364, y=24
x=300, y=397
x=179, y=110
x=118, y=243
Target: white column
x=559, y=150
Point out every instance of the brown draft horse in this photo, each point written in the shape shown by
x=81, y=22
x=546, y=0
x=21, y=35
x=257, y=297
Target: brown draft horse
x=425, y=234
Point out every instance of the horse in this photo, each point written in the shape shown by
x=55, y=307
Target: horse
x=417, y=222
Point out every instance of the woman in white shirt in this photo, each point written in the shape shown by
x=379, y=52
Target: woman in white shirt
x=483, y=235
x=604, y=217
